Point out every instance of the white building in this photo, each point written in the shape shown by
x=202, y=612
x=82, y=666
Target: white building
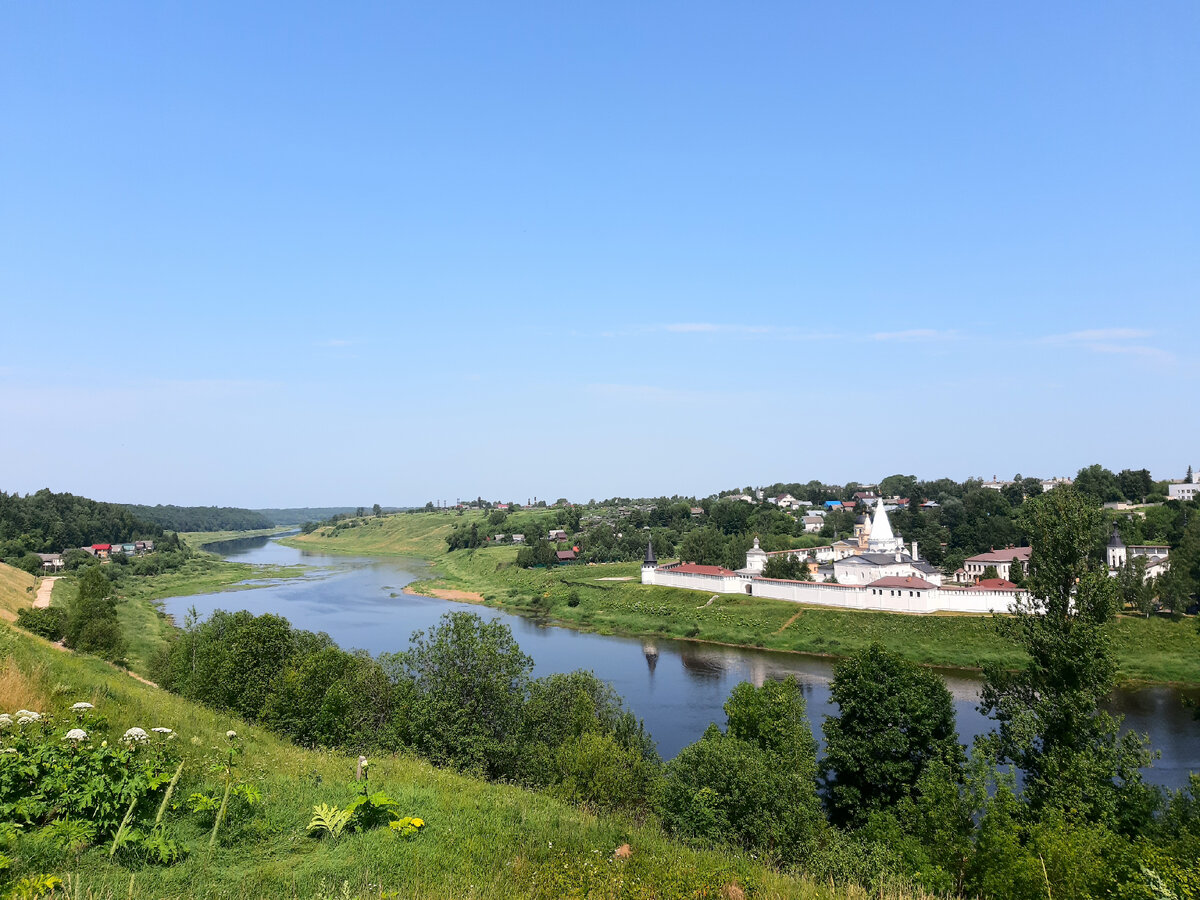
x=1183, y=490
x=1002, y=559
x=892, y=581
x=1117, y=554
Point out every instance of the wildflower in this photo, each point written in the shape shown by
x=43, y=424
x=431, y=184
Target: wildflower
x=82, y=706
x=27, y=714
x=5, y=720
x=232, y=735
x=161, y=730
x=420, y=823
x=75, y=734
x=25, y=720
x=8, y=750
x=135, y=735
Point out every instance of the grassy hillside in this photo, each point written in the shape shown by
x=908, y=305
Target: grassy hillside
x=1148, y=650
x=17, y=589
x=480, y=840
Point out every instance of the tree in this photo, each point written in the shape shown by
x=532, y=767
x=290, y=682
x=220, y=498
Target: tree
x=377, y=510
x=359, y=512
x=469, y=678
x=92, y=625
x=1188, y=478
x=789, y=566
x=1050, y=724
x=1016, y=572
x=1099, y=483
x=1135, y=484
x=989, y=572
x=1132, y=588
x=753, y=786
x=894, y=718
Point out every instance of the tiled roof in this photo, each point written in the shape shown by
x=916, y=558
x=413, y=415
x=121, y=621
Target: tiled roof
x=696, y=569
x=919, y=584
x=1002, y=556
x=994, y=584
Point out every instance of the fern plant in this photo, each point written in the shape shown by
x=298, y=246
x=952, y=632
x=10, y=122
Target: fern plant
x=329, y=820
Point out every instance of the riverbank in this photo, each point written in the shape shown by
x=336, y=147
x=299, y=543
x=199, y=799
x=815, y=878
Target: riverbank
x=479, y=840
x=1149, y=651
x=145, y=627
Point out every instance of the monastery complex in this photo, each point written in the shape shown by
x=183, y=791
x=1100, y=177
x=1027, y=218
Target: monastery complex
x=874, y=570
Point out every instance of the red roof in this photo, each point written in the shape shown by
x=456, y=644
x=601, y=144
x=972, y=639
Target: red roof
x=995, y=584
x=696, y=569
x=565, y=554
x=896, y=581
x=101, y=546
x=999, y=556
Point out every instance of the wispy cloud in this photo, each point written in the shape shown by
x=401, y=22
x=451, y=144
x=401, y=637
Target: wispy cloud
x=714, y=328
x=1098, y=334
x=916, y=334
x=1116, y=341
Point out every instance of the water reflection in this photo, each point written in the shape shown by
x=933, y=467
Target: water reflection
x=678, y=687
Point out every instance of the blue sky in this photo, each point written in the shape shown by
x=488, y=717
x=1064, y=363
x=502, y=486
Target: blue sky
x=355, y=253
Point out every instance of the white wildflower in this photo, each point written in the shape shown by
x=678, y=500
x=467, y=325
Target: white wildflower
x=82, y=706
x=231, y=735
x=161, y=730
x=25, y=720
x=5, y=720
x=27, y=714
x=8, y=750
x=135, y=735
x=75, y=734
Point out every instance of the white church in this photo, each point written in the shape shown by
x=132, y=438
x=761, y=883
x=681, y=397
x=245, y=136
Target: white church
x=875, y=572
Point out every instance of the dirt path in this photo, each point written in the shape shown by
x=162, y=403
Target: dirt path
x=789, y=621
x=42, y=600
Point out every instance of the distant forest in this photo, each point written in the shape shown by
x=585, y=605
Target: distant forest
x=46, y=522
x=201, y=518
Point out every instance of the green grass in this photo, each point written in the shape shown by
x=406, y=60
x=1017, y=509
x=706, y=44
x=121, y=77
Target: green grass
x=481, y=840
x=197, y=539
x=1154, y=650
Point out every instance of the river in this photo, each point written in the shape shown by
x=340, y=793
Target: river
x=677, y=687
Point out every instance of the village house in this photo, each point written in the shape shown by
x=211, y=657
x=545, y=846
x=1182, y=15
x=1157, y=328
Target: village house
x=52, y=562
x=975, y=566
x=557, y=534
x=813, y=524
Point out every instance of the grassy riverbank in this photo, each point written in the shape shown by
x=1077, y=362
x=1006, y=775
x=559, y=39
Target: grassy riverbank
x=480, y=840
x=139, y=611
x=587, y=598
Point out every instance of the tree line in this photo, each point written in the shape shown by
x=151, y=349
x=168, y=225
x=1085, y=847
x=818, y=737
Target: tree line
x=895, y=798
x=200, y=518
x=46, y=522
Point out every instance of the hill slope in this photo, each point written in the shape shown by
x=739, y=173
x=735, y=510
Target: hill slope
x=481, y=840
x=16, y=591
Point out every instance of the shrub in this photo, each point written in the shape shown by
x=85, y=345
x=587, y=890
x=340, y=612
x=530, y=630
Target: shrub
x=49, y=623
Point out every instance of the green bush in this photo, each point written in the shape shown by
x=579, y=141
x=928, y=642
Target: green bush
x=50, y=623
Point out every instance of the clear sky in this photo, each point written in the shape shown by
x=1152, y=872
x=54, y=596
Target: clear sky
x=291, y=253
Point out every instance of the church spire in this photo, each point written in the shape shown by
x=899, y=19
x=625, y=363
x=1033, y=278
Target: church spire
x=882, y=539
x=650, y=558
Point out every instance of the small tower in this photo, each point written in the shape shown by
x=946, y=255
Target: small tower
x=1117, y=552
x=649, y=564
x=756, y=559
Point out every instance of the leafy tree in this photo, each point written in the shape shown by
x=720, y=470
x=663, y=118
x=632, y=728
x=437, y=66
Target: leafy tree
x=92, y=625
x=1099, y=483
x=1178, y=587
x=788, y=566
x=1135, y=484
x=469, y=679
x=753, y=786
x=989, y=572
x=703, y=545
x=377, y=510
x=1016, y=572
x=1050, y=724
x=894, y=718
x=1132, y=589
